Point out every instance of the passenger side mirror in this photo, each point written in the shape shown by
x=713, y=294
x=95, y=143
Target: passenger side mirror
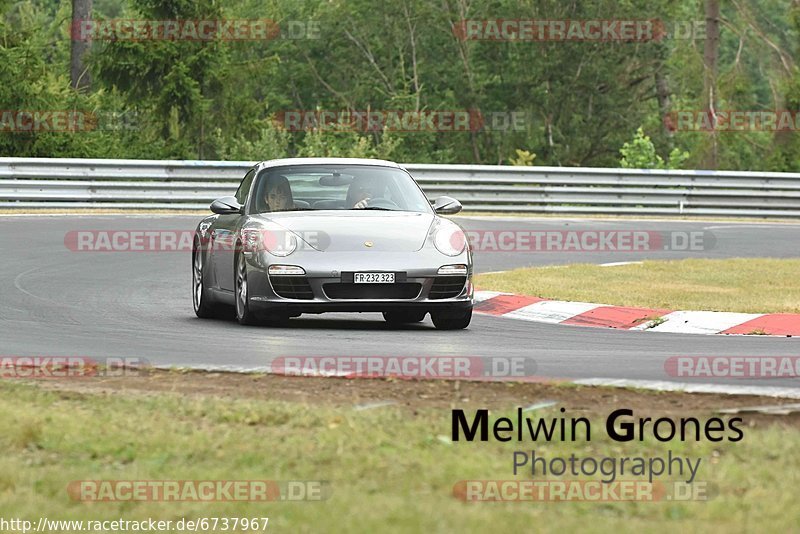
x=446, y=206
x=226, y=206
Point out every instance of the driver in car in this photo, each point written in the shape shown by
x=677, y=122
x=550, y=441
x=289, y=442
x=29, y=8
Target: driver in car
x=360, y=192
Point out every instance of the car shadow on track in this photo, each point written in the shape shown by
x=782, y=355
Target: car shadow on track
x=354, y=324
x=369, y=322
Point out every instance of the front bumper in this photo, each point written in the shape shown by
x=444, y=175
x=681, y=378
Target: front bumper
x=331, y=287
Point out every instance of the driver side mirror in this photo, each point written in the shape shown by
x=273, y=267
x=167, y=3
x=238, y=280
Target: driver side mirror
x=226, y=206
x=446, y=206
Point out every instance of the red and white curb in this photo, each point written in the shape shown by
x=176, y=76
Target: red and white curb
x=541, y=310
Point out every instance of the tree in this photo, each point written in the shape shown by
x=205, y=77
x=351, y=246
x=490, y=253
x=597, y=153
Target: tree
x=80, y=78
x=710, y=60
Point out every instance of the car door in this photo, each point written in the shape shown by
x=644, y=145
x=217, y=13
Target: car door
x=223, y=236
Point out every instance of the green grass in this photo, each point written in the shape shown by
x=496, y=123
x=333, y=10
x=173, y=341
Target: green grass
x=752, y=285
x=389, y=468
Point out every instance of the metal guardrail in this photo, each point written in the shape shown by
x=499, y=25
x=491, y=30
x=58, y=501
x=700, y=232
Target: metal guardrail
x=32, y=183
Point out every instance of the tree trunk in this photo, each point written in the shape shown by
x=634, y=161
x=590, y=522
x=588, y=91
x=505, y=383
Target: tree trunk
x=662, y=95
x=710, y=60
x=78, y=73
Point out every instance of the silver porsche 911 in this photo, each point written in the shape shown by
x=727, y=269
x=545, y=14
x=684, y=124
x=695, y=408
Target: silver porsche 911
x=314, y=235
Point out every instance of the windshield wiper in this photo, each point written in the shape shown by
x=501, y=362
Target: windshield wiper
x=374, y=208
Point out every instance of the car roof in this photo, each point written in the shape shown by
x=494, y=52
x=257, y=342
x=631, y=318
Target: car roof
x=325, y=161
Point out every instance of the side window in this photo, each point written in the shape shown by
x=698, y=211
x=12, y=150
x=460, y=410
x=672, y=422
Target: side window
x=244, y=188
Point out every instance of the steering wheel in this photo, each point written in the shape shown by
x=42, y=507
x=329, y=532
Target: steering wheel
x=382, y=203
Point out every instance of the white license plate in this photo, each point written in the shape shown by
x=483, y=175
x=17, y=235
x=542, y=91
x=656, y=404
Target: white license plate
x=373, y=278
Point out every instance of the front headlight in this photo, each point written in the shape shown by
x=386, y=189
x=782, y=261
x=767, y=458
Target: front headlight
x=279, y=243
x=449, y=238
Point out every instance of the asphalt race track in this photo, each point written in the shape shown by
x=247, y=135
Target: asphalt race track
x=134, y=304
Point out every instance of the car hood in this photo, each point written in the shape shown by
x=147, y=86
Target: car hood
x=352, y=230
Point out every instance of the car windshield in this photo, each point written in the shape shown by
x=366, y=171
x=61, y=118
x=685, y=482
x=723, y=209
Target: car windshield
x=337, y=187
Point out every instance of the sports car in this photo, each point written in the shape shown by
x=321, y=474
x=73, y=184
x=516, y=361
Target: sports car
x=314, y=235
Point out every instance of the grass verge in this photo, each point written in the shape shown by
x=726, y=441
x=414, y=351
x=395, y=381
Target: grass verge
x=389, y=468
x=750, y=285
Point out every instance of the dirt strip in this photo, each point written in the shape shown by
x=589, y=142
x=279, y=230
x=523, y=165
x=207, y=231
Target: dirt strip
x=417, y=395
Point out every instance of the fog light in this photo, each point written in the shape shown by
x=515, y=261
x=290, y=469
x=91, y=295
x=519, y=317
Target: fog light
x=286, y=270
x=458, y=268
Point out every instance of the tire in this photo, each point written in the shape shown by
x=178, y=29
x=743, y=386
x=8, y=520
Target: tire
x=203, y=302
x=400, y=317
x=449, y=320
x=244, y=314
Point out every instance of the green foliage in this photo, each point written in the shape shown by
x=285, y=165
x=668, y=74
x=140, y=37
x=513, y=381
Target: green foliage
x=580, y=99
x=319, y=143
x=524, y=158
x=34, y=54
x=270, y=143
x=640, y=153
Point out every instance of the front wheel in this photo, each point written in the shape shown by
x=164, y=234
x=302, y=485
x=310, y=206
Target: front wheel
x=244, y=314
x=451, y=320
x=204, y=305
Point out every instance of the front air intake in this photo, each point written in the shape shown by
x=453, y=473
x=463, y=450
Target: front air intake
x=292, y=287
